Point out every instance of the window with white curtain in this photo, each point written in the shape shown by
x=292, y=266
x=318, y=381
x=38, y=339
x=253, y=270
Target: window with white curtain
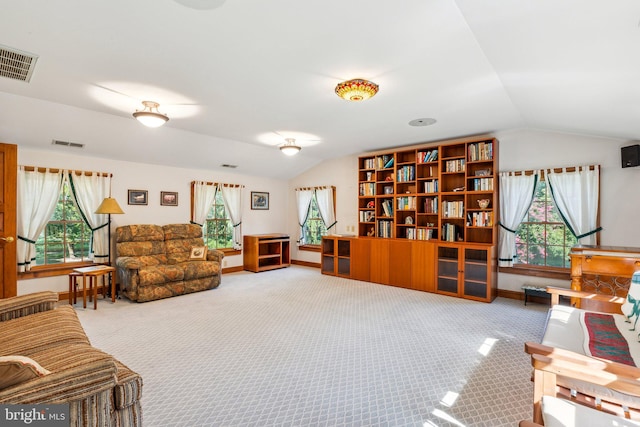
x=316, y=214
x=217, y=208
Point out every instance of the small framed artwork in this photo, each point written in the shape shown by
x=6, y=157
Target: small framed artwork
x=168, y=198
x=259, y=200
x=198, y=253
x=138, y=197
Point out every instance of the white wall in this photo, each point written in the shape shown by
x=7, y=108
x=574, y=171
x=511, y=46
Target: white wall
x=154, y=179
x=518, y=150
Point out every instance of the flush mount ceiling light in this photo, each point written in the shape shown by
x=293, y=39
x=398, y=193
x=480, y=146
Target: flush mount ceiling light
x=356, y=90
x=150, y=116
x=289, y=147
x=428, y=121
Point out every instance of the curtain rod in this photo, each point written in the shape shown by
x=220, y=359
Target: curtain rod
x=556, y=170
x=315, y=188
x=218, y=183
x=56, y=170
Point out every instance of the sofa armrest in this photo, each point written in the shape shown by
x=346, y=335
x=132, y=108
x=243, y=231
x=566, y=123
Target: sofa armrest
x=24, y=305
x=556, y=292
x=67, y=385
x=129, y=263
x=215, y=255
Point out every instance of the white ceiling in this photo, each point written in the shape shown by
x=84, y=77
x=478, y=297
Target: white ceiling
x=237, y=79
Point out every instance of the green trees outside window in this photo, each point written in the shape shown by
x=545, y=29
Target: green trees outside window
x=218, y=229
x=314, y=228
x=66, y=238
x=543, y=239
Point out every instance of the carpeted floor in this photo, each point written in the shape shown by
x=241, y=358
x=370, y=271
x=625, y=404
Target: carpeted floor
x=293, y=347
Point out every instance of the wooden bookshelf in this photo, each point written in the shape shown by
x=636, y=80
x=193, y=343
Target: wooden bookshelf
x=262, y=252
x=445, y=194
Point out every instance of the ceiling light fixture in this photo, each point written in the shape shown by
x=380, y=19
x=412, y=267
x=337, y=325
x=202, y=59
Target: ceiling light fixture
x=289, y=147
x=356, y=90
x=150, y=116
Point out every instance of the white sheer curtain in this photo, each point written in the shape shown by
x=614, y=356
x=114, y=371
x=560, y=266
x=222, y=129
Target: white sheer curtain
x=203, y=196
x=575, y=194
x=89, y=191
x=38, y=194
x=324, y=198
x=516, y=195
x=303, y=202
x=232, y=195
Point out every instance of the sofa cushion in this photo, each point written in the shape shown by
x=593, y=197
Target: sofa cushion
x=29, y=334
x=150, y=253
x=139, y=233
x=160, y=274
x=180, y=239
x=199, y=269
x=18, y=369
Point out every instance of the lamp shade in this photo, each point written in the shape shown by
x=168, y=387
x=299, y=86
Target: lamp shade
x=109, y=206
x=150, y=116
x=356, y=90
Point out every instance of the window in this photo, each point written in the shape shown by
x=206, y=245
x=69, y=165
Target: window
x=218, y=229
x=66, y=237
x=314, y=228
x=543, y=239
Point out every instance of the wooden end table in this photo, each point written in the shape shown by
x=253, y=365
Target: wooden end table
x=93, y=272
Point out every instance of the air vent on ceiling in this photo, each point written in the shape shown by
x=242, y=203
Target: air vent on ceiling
x=67, y=144
x=15, y=64
x=225, y=165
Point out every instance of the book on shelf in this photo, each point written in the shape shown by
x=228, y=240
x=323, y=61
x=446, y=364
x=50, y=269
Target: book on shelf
x=431, y=186
x=389, y=163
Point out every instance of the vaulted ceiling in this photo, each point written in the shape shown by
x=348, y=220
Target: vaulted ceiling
x=236, y=77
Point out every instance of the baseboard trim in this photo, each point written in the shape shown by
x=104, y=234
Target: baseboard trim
x=306, y=263
x=232, y=269
x=504, y=293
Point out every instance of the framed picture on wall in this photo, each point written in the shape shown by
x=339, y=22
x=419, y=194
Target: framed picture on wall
x=259, y=200
x=168, y=198
x=138, y=197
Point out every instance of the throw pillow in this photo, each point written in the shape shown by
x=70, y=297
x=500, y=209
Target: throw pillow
x=198, y=253
x=17, y=369
x=631, y=307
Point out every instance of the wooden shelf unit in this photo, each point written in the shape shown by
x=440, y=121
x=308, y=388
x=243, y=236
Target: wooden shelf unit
x=336, y=256
x=262, y=252
x=443, y=194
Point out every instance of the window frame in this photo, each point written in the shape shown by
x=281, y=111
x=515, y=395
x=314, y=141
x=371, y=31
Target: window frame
x=227, y=219
x=61, y=269
x=317, y=248
x=559, y=273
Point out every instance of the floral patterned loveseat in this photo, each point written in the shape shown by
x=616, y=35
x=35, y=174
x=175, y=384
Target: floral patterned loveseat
x=155, y=262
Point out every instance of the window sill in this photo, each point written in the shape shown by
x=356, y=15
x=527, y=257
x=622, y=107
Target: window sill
x=52, y=270
x=548, y=272
x=310, y=248
x=229, y=252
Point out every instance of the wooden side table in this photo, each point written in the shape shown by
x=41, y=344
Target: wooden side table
x=93, y=272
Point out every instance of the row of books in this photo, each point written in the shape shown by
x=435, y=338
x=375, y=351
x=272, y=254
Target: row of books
x=367, y=216
x=367, y=189
x=480, y=151
x=431, y=205
x=480, y=219
x=450, y=232
x=453, y=209
x=387, y=207
x=457, y=165
x=425, y=234
x=431, y=186
x=483, y=184
x=385, y=229
x=406, y=173
x=384, y=162
x=427, y=156
x=406, y=203
x=369, y=163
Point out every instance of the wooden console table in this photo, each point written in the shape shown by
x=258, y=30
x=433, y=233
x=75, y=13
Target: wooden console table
x=604, y=270
x=266, y=252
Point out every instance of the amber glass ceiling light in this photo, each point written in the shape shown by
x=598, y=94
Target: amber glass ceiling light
x=150, y=116
x=290, y=148
x=356, y=90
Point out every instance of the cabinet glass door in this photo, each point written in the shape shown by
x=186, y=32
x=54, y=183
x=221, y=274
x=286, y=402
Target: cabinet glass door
x=447, y=270
x=476, y=270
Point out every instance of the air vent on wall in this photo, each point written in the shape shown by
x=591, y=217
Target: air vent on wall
x=15, y=64
x=225, y=165
x=67, y=144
